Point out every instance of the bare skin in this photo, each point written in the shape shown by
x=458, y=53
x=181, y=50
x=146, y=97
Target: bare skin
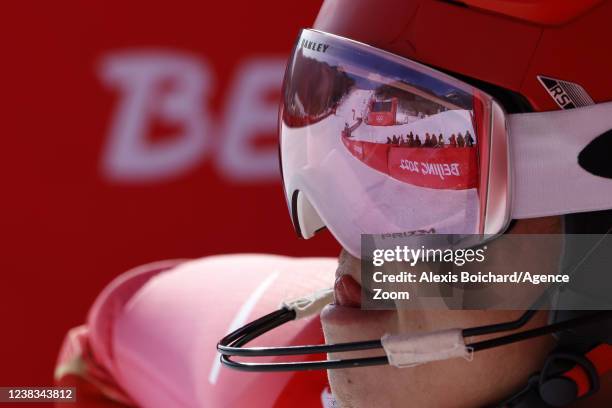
x=491, y=376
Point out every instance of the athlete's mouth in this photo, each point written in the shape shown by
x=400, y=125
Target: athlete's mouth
x=347, y=291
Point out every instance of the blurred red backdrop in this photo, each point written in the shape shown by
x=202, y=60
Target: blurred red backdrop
x=132, y=132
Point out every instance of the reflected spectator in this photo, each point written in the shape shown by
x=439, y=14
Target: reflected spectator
x=427, y=140
x=460, y=141
x=440, y=141
x=388, y=140
x=469, y=140
x=410, y=140
x=452, y=141
x=417, y=141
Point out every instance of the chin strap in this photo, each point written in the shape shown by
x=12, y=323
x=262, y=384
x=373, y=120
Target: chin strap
x=565, y=378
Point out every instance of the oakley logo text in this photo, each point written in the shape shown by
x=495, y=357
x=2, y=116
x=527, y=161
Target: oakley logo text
x=314, y=46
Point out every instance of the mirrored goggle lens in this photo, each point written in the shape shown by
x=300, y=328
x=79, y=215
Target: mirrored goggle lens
x=372, y=143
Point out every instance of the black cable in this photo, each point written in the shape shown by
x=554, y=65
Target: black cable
x=305, y=365
x=231, y=344
x=257, y=331
x=499, y=327
x=231, y=337
x=540, y=331
x=234, y=348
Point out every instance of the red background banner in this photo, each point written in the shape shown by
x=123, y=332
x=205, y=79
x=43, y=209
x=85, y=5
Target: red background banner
x=133, y=131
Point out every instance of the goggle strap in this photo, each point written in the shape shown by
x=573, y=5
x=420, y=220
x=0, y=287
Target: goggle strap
x=544, y=150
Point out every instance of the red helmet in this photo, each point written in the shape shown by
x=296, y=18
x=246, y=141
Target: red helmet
x=507, y=44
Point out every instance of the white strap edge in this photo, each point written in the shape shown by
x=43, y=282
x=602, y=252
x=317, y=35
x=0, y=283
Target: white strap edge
x=311, y=304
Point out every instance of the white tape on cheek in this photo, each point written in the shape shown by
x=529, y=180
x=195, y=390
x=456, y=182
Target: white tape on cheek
x=409, y=349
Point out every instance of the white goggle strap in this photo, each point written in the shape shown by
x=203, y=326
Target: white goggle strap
x=544, y=149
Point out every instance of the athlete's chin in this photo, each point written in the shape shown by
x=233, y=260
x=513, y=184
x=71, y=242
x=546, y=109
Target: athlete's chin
x=362, y=387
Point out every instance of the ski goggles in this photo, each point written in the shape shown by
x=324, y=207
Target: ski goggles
x=374, y=143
